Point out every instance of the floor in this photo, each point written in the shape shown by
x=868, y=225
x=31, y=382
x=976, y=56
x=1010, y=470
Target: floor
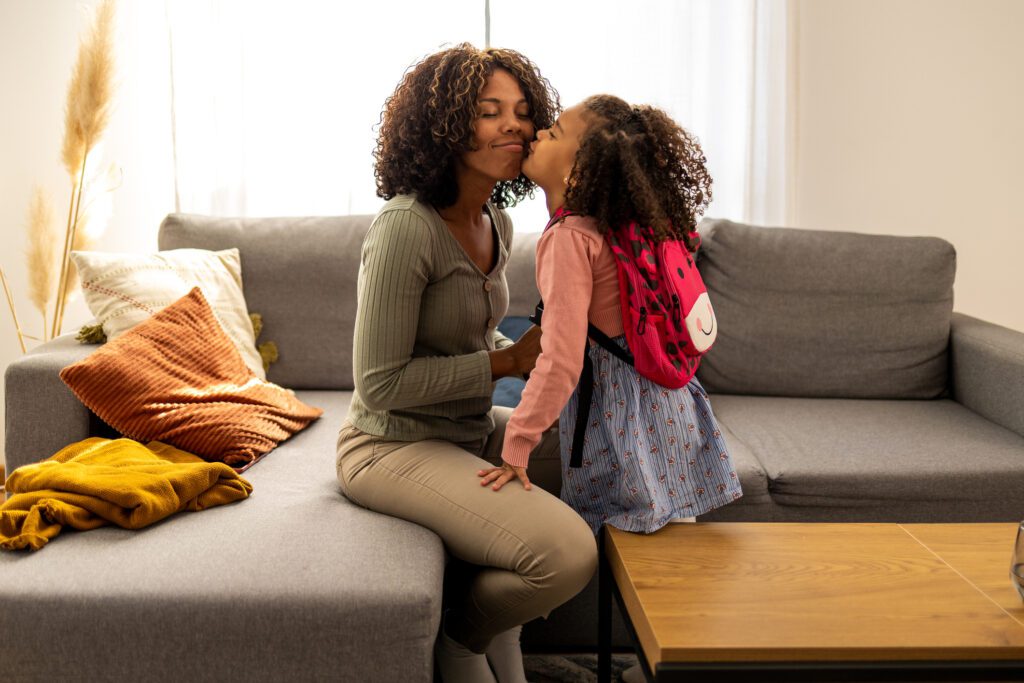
x=571, y=668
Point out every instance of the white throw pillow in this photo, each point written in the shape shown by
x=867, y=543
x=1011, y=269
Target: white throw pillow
x=122, y=290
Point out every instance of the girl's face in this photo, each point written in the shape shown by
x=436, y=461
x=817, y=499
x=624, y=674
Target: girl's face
x=553, y=153
x=502, y=129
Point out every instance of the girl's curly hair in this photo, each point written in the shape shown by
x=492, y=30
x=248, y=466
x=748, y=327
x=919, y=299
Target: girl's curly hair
x=637, y=164
x=428, y=123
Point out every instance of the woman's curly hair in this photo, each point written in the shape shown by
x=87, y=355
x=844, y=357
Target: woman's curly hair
x=427, y=124
x=637, y=164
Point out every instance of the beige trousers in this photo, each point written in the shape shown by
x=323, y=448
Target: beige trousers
x=527, y=551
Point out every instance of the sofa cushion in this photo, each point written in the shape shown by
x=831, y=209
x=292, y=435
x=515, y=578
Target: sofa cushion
x=122, y=290
x=521, y=274
x=177, y=378
x=827, y=314
x=296, y=583
x=880, y=461
x=300, y=275
x=756, y=502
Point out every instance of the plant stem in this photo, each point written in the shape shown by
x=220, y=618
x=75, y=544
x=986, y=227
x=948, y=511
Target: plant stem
x=69, y=241
x=10, y=302
x=63, y=259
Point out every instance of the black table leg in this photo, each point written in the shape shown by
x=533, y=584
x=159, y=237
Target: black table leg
x=604, y=613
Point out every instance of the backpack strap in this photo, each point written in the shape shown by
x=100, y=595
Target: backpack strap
x=586, y=395
x=602, y=339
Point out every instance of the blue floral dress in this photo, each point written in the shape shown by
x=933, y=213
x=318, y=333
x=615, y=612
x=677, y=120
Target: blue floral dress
x=649, y=453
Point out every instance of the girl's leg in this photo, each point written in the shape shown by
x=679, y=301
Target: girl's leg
x=534, y=551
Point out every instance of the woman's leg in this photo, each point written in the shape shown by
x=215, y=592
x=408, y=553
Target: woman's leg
x=534, y=551
x=504, y=653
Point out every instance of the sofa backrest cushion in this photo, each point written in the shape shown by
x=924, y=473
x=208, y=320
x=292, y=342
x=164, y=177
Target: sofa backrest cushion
x=300, y=274
x=521, y=275
x=826, y=314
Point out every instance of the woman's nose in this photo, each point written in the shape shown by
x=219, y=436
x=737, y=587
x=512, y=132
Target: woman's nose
x=511, y=124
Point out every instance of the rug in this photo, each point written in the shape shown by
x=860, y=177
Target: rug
x=571, y=668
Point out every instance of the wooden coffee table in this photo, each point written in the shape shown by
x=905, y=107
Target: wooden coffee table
x=816, y=602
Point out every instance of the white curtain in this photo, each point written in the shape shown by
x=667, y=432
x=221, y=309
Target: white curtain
x=276, y=106
x=723, y=69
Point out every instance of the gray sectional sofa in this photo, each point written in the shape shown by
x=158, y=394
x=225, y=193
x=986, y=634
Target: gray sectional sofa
x=848, y=390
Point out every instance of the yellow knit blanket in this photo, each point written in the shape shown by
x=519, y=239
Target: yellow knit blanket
x=96, y=482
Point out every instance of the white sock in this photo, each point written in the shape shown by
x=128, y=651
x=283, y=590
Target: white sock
x=634, y=674
x=459, y=664
x=679, y=520
x=505, y=656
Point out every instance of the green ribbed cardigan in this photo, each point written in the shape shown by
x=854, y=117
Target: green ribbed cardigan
x=426, y=318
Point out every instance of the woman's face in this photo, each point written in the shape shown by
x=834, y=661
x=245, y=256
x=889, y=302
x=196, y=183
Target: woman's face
x=553, y=153
x=502, y=129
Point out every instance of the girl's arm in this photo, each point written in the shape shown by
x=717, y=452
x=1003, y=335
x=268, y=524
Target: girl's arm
x=565, y=257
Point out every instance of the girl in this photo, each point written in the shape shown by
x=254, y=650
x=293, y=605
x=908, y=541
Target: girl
x=650, y=455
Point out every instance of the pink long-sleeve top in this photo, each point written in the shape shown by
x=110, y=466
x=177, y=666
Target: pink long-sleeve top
x=577, y=279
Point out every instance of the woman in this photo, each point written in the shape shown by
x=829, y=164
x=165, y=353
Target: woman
x=426, y=353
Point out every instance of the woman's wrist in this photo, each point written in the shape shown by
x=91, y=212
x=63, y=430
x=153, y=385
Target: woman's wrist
x=502, y=364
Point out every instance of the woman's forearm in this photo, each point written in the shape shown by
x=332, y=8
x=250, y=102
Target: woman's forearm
x=424, y=381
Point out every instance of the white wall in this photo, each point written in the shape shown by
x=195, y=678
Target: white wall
x=911, y=123
x=38, y=45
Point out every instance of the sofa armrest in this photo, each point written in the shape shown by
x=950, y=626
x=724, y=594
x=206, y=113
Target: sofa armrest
x=42, y=414
x=987, y=370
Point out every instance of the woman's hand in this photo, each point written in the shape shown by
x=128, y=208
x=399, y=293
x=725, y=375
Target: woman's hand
x=499, y=476
x=519, y=359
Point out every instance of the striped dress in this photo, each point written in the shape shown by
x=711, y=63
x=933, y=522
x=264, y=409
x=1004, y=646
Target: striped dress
x=649, y=453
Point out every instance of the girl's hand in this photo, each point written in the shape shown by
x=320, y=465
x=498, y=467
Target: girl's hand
x=499, y=476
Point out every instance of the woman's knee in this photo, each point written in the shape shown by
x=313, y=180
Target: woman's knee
x=569, y=556
x=579, y=551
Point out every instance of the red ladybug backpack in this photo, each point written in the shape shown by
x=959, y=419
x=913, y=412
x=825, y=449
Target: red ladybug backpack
x=666, y=314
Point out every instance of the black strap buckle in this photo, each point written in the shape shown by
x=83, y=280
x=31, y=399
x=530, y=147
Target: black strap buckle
x=538, y=313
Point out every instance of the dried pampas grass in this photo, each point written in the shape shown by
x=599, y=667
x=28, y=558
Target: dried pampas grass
x=90, y=92
x=86, y=115
x=42, y=252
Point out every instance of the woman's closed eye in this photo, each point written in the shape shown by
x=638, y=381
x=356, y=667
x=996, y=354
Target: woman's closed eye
x=492, y=114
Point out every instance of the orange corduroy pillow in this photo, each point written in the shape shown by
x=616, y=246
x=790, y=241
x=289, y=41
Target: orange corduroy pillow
x=177, y=378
